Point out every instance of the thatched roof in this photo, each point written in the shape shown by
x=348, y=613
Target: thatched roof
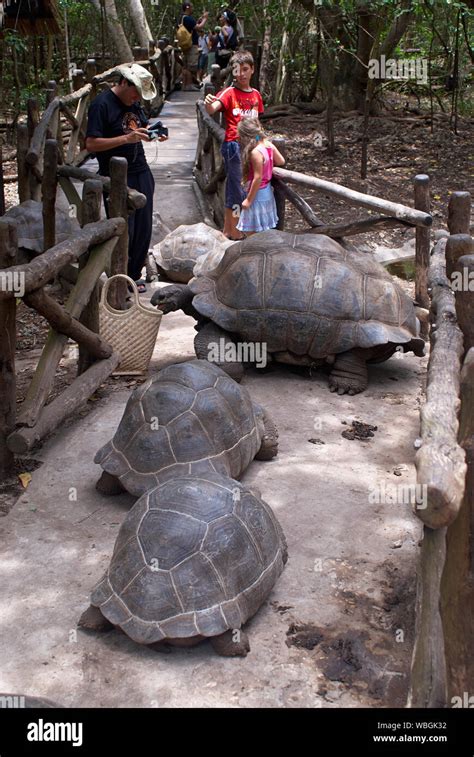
x=29, y=17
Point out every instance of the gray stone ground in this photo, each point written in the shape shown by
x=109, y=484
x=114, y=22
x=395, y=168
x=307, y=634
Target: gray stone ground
x=345, y=597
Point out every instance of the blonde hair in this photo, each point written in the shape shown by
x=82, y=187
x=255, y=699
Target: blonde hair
x=251, y=134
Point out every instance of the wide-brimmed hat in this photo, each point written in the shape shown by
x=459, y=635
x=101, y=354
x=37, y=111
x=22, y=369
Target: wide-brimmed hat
x=141, y=78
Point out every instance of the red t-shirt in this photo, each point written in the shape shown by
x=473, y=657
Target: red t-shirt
x=237, y=105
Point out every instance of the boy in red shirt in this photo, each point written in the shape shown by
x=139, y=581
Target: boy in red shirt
x=237, y=102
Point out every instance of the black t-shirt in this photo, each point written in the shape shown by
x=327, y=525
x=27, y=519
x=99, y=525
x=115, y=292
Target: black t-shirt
x=189, y=22
x=109, y=117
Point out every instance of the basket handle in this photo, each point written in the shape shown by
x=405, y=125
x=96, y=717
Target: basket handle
x=105, y=289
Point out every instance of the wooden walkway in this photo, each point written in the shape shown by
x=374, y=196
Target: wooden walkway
x=172, y=162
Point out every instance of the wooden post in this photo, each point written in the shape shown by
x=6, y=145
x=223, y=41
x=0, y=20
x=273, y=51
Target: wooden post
x=457, y=245
x=91, y=69
x=49, y=187
x=32, y=115
x=459, y=213
x=457, y=596
x=51, y=91
x=8, y=252
x=2, y=190
x=280, y=197
x=91, y=204
x=465, y=299
x=22, y=145
x=422, y=255
x=32, y=121
x=118, y=208
x=78, y=79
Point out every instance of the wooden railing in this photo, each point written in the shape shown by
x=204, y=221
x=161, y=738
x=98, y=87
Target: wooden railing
x=48, y=156
x=65, y=117
x=443, y=665
x=92, y=248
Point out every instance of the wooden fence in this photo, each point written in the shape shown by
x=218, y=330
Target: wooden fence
x=443, y=664
x=49, y=155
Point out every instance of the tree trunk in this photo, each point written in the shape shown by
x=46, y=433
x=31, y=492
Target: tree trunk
x=140, y=22
x=282, y=72
x=116, y=31
x=264, y=76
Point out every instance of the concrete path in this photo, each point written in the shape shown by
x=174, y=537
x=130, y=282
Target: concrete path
x=172, y=162
x=338, y=628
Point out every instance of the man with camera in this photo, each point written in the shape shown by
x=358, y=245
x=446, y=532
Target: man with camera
x=116, y=127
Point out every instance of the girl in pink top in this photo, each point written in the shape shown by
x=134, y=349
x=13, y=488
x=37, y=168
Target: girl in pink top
x=259, y=155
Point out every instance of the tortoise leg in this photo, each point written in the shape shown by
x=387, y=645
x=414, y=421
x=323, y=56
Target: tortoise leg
x=233, y=643
x=172, y=297
x=93, y=620
x=349, y=374
x=269, y=446
x=209, y=344
x=109, y=485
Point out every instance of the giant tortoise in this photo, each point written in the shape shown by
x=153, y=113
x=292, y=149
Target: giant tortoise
x=191, y=418
x=194, y=558
x=29, y=219
x=176, y=254
x=305, y=298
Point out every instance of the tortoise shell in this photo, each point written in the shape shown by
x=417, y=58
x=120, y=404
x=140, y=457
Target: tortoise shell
x=178, y=252
x=304, y=294
x=191, y=418
x=29, y=218
x=196, y=556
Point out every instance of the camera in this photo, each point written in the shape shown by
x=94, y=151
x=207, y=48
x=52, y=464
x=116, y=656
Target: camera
x=157, y=130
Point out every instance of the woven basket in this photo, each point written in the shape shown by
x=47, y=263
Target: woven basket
x=132, y=333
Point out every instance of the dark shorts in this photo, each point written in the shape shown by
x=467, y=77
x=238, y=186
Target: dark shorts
x=202, y=63
x=234, y=191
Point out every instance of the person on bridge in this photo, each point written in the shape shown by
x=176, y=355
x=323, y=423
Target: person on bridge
x=237, y=102
x=191, y=53
x=116, y=127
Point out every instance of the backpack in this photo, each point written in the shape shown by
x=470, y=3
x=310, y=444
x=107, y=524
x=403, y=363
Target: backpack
x=184, y=37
